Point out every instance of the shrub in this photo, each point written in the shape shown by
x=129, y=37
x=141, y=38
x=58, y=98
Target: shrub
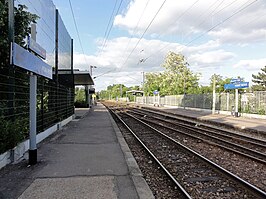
x=12, y=132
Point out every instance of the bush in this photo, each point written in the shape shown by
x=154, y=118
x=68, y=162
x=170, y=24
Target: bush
x=12, y=132
x=261, y=112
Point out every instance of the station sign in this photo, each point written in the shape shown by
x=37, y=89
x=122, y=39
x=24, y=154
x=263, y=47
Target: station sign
x=155, y=92
x=236, y=85
x=24, y=59
x=235, y=80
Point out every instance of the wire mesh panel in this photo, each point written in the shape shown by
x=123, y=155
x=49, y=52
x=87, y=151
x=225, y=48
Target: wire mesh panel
x=254, y=102
x=14, y=107
x=248, y=102
x=55, y=102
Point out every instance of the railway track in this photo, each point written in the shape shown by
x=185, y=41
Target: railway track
x=194, y=175
x=246, y=146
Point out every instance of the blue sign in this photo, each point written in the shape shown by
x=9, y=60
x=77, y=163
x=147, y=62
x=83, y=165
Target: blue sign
x=155, y=92
x=24, y=59
x=35, y=47
x=233, y=81
x=236, y=86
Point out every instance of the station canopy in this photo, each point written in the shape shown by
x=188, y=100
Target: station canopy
x=80, y=77
x=134, y=92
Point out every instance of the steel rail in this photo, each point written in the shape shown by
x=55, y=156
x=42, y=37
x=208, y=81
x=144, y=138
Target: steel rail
x=232, y=176
x=253, y=152
x=183, y=191
x=177, y=117
x=219, y=134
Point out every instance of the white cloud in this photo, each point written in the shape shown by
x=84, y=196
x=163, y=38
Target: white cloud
x=251, y=65
x=211, y=57
x=191, y=18
x=235, y=36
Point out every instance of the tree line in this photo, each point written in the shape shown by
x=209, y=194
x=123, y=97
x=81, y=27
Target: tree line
x=178, y=79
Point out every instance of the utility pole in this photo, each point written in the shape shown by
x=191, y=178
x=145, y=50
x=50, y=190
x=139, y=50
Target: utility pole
x=213, y=94
x=143, y=82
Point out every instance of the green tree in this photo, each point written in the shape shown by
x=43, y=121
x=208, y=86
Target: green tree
x=182, y=78
x=22, y=20
x=116, y=90
x=152, y=83
x=220, y=81
x=15, y=130
x=259, y=80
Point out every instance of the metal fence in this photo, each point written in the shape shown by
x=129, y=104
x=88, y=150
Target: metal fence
x=55, y=103
x=248, y=102
x=55, y=99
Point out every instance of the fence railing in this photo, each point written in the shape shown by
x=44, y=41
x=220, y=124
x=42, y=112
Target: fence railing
x=55, y=103
x=248, y=102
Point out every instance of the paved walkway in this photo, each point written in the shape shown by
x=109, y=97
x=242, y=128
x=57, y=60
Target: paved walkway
x=86, y=159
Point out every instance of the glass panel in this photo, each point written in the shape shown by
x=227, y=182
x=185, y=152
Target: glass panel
x=43, y=12
x=64, y=45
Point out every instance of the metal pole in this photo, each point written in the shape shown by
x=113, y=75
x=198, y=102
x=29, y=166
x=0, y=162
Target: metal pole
x=56, y=45
x=86, y=96
x=184, y=93
x=33, y=115
x=33, y=112
x=236, y=102
x=11, y=70
x=57, y=104
x=227, y=100
x=73, y=80
x=143, y=83
x=213, y=95
x=121, y=92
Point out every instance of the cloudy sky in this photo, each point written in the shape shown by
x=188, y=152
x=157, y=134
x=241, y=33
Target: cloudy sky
x=124, y=38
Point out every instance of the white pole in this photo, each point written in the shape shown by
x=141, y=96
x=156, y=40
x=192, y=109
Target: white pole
x=236, y=103
x=227, y=100
x=213, y=95
x=33, y=112
x=33, y=116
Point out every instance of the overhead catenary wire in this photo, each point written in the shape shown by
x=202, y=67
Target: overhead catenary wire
x=106, y=36
x=110, y=19
x=134, y=31
x=144, y=32
x=210, y=29
x=200, y=23
x=108, y=33
x=223, y=21
x=108, y=24
x=237, y=11
x=76, y=27
x=138, y=40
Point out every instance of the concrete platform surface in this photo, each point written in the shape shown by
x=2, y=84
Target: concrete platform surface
x=254, y=124
x=88, y=158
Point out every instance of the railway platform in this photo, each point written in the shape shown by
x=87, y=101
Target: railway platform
x=88, y=158
x=241, y=123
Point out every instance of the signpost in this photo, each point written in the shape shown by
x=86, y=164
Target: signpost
x=236, y=84
x=156, y=99
x=27, y=60
x=155, y=92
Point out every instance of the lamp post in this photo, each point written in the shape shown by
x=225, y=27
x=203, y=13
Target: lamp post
x=91, y=67
x=89, y=95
